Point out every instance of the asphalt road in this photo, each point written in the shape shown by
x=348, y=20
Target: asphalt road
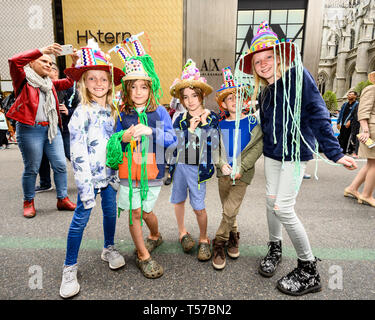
x=32, y=251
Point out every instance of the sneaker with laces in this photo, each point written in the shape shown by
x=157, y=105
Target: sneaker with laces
x=113, y=257
x=69, y=285
x=39, y=189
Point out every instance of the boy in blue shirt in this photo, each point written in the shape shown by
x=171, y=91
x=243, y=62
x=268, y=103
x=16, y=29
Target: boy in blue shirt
x=249, y=149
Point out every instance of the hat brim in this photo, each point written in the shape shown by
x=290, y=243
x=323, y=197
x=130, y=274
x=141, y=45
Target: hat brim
x=76, y=73
x=247, y=60
x=222, y=94
x=136, y=77
x=175, y=90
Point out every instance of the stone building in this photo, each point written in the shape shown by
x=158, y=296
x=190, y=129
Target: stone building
x=348, y=45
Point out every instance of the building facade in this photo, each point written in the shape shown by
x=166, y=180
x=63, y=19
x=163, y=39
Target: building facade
x=348, y=45
x=211, y=32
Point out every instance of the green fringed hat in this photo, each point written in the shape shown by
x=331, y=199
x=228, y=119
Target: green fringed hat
x=138, y=65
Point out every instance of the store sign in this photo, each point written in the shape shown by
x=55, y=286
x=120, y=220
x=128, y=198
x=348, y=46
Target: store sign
x=102, y=37
x=211, y=67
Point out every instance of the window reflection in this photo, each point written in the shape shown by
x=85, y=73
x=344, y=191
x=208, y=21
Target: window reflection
x=296, y=16
x=278, y=16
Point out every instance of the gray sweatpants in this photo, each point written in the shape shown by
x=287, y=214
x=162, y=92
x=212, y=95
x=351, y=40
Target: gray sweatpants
x=282, y=186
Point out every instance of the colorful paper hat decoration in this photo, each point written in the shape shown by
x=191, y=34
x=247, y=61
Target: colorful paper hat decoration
x=92, y=58
x=138, y=65
x=227, y=87
x=266, y=39
x=190, y=78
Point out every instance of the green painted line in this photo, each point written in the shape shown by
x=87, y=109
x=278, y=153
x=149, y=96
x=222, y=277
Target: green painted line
x=169, y=247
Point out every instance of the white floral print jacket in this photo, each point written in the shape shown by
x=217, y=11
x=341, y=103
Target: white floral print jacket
x=90, y=128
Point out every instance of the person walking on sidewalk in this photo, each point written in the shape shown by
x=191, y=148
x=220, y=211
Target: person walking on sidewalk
x=346, y=120
x=366, y=175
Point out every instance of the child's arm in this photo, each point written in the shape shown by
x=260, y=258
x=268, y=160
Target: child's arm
x=319, y=118
x=251, y=155
x=163, y=134
x=80, y=157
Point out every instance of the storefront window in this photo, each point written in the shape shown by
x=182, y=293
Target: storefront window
x=287, y=24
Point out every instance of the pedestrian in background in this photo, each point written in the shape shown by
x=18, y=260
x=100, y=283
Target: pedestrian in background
x=66, y=107
x=37, y=113
x=366, y=176
x=345, y=121
x=4, y=144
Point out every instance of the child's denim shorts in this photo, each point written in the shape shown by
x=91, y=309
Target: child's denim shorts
x=186, y=177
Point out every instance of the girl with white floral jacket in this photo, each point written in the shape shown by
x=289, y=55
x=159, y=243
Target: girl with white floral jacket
x=90, y=127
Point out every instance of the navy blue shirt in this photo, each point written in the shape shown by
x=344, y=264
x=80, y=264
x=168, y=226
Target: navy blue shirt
x=315, y=122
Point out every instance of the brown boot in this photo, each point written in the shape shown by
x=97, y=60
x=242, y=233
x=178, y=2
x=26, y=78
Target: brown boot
x=65, y=204
x=29, y=209
x=218, y=260
x=233, y=244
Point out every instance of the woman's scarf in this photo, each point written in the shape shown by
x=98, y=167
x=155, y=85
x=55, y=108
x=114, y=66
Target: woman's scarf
x=45, y=85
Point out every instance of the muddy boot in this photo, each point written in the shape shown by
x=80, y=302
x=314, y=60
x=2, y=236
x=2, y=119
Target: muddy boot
x=303, y=279
x=233, y=244
x=218, y=260
x=269, y=263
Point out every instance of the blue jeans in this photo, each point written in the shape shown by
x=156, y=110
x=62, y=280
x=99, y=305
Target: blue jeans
x=80, y=219
x=33, y=141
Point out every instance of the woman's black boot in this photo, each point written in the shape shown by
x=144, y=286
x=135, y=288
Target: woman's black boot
x=303, y=279
x=269, y=263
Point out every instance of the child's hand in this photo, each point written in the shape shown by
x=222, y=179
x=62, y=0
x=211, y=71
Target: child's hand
x=141, y=130
x=226, y=169
x=127, y=136
x=204, y=116
x=194, y=122
x=237, y=176
x=347, y=162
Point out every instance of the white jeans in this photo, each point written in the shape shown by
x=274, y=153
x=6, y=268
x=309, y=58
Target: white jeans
x=282, y=186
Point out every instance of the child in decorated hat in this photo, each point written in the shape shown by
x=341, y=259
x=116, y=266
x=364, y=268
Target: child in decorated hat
x=90, y=127
x=198, y=138
x=145, y=131
x=234, y=176
x=293, y=116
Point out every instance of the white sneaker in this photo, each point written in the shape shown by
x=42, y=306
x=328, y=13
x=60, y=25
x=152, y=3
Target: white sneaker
x=113, y=257
x=69, y=285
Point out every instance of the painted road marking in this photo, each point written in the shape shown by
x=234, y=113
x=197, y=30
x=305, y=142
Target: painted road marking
x=169, y=247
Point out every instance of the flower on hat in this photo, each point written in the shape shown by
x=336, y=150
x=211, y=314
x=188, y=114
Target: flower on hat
x=190, y=78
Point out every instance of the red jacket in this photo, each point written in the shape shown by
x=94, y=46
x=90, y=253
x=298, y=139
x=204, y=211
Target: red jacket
x=25, y=107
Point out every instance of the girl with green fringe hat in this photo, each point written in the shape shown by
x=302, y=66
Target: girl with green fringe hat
x=293, y=116
x=137, y=149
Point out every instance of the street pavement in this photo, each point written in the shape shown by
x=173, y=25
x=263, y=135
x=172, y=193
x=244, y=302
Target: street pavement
x=32, y=251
